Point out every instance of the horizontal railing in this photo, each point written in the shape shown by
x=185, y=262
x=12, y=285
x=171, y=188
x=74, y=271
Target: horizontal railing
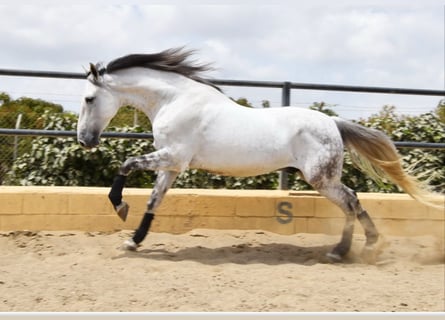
x=247, y=83
x=65, y=133
x=149, y=135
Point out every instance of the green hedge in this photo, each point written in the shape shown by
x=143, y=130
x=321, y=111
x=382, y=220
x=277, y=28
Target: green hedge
x=61, y=161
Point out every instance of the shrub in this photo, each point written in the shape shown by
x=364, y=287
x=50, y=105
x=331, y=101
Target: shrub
x=61, y=161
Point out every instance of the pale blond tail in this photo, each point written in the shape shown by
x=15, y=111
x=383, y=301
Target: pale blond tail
x=373, y=152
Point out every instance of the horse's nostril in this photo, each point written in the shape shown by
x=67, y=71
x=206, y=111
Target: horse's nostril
x=87, y=144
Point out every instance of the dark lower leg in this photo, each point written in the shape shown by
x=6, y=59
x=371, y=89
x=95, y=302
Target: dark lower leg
x=144, y=227
x=115, y=194
x=163, y=182
x=342, y=248
x=371, y=232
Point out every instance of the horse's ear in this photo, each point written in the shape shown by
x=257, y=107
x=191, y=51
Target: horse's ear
x=94, y=71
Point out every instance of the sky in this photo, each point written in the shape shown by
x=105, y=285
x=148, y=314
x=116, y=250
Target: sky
x=392, y=43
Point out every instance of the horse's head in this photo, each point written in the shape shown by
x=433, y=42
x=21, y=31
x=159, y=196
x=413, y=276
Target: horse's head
x=98, y=106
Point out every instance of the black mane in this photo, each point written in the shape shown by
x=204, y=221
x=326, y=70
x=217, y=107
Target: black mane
x=172, y=60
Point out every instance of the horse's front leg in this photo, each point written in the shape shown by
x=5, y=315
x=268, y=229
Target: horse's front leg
x=164, y=181
x=158, y=160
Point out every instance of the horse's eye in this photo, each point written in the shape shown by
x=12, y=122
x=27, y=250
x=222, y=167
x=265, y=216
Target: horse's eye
x=89, y=99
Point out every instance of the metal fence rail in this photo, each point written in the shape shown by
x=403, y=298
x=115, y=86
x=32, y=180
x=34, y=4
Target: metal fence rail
x=149, y=135
x=64, y=133
x=286, y=85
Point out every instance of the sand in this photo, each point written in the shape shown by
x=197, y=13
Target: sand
x=215, y=270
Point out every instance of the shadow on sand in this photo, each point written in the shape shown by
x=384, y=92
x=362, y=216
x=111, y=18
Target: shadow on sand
x=270, y=254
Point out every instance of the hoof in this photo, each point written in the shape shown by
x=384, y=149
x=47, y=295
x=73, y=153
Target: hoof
x=370, y=253
x=122, y=210
x=333, y=257
x=129, y=245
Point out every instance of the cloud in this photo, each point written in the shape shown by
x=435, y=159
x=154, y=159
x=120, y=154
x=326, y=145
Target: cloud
x=367, y=43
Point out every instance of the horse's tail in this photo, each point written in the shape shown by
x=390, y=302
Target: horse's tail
x=373, y=152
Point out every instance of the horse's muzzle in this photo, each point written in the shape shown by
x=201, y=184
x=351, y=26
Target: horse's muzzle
x=87, y=145
x=88, y=141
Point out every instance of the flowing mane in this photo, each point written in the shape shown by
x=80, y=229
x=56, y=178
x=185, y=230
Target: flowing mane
x=171, y=60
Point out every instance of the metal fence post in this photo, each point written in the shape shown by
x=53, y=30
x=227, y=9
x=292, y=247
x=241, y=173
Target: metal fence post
x=16, y=138
x=283, y=181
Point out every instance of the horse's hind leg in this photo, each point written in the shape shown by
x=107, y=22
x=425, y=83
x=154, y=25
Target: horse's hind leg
x=347, y=200
x=371, y=248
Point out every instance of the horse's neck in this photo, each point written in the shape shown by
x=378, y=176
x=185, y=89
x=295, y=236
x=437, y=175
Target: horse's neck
x=148, y=90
